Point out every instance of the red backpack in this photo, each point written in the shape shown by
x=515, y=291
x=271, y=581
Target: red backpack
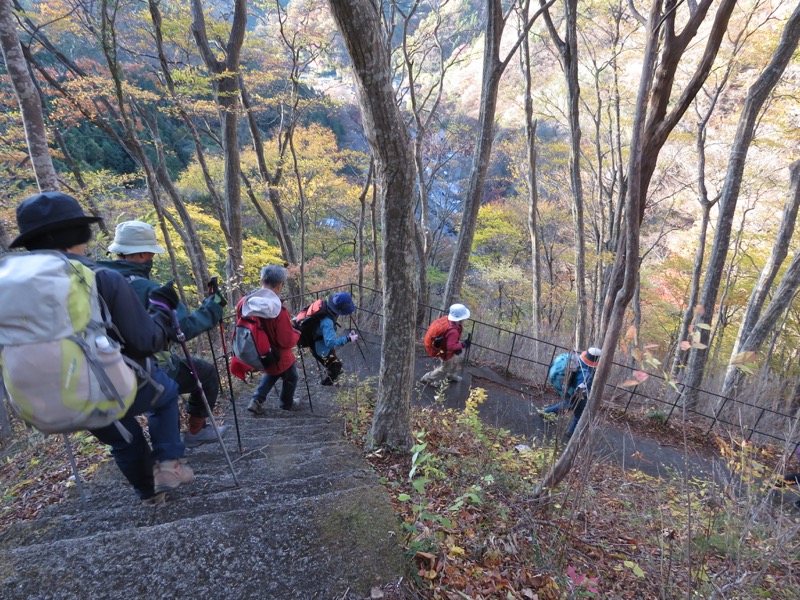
x=250, y=342
x=434, y=337
x=307, y=321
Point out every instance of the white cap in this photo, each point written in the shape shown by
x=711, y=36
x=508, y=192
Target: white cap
x=132, y=237
x=458, y=312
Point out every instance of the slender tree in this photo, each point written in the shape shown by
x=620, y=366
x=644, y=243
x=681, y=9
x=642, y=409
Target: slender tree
x=30, y=103
x=756, y=97
x=493, y=69
x=568, y=55
x=651, y=127
x=225, y=74
x=360, y=25
x=758, y=297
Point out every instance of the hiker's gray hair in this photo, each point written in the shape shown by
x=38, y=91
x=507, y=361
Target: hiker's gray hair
x=273, y=275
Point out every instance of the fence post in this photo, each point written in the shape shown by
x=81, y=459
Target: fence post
x=547, y=370
x=753, y=428
x=717, y=413
x=511, y=352
x=675, y=404
x=630, y=398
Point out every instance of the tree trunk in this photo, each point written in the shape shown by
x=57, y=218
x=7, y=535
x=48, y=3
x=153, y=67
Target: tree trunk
x=568, y=53
x=493, y=69
x=533, y=191
x=359, y=23
x=768, y=274
x=659, y=122
x=30, y=103
x=651, y=126
x=756, y=97
x=362, y=220
x=226, y=87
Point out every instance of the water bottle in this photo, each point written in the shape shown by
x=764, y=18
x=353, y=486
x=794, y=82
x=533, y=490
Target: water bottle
x=103, y=344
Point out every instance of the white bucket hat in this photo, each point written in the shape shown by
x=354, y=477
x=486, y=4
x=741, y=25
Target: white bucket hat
x=132, y=237
x=458, y=312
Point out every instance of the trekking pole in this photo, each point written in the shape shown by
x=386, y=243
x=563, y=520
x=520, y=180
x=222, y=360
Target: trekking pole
x=181, y=339
x=305, y=378
x=360, y=336
x=213, y=288
x=466, y=354
x=74, y=465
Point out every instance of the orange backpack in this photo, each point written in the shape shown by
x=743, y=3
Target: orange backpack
x=434, y=337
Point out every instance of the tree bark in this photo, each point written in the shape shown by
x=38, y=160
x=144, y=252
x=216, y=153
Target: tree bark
x=768, y=274
x=568, y=53
x=30, y=103
x=359, y=23
x=226, y=87
x=493, y=69
x=756, y=97
x=533, y=191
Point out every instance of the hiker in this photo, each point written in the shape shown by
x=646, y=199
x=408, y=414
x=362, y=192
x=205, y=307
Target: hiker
x=265, y=305
x=324, y=340
x=581, y=384
x=446, y=344
x=135, y=246
x=55, y=221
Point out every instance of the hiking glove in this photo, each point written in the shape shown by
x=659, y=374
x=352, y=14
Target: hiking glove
x=219, y=299
x=353, y=336
x=466, y=343
x=166, y=294
x=213, y=293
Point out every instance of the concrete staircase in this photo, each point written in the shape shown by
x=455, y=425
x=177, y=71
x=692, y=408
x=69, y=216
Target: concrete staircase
x=310, y=520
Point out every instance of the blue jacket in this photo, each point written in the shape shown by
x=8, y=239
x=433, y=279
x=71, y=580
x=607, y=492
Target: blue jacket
x=138, y=274
x=326, y=332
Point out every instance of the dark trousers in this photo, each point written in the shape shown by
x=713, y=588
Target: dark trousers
x=576, y=403
x=188, y=385
x=134, y=458
x=289, y=378
x=331, y=362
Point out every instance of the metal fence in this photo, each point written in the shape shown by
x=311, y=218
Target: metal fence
x=528, y=358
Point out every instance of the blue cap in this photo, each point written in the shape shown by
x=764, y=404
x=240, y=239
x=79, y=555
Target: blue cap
x=341, y=303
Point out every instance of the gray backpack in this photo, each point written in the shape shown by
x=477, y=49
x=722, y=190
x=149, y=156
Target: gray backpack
x=60, y=370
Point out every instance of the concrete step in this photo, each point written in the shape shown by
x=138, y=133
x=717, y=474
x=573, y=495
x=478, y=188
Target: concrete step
x=316, y=547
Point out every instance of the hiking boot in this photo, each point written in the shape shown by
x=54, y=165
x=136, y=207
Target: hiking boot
x=205, y=436
x=155, y=500
x=256, y=406
x=295, y=405
x=327, y=381
x=454, y=378
x=170, y=474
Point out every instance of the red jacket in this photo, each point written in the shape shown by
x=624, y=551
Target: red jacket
x=452, y=340
x=283, y=338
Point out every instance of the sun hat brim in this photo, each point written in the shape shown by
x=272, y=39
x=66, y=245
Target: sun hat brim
x=23, y=238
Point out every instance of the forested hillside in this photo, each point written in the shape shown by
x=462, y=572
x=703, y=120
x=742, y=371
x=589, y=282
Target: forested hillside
x=239, y=129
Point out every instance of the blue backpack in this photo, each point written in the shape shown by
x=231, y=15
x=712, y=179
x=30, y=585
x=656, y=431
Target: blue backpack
x=562, y=373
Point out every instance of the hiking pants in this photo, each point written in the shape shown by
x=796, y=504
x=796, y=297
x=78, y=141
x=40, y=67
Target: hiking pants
x=333, y=366
x=576, y=403
x=446, y=370
x=187, y=385
x=289, y=377
x=135, y=459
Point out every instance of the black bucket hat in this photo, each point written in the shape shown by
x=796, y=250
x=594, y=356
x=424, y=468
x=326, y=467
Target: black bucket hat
x=46, y=212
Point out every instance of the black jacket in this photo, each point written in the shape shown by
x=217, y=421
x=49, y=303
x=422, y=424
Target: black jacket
x=143, y=334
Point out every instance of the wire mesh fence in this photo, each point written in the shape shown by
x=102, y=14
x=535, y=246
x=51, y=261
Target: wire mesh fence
x=528, y=358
